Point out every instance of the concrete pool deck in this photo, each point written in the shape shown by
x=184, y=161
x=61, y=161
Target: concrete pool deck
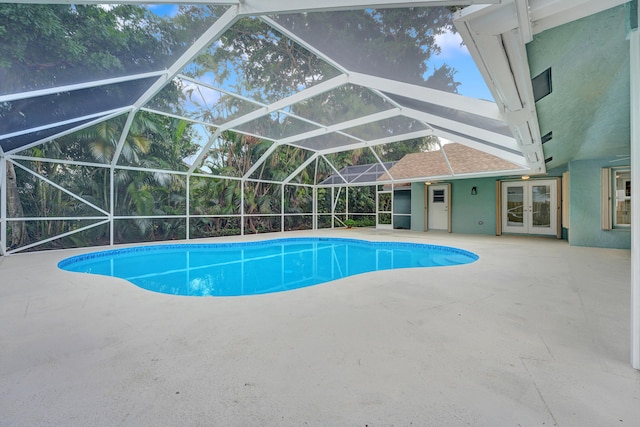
x=536, y=332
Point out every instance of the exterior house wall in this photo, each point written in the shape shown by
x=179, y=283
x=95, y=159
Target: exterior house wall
x=467, y=211
x=585, y=202
x=476, y=214
x=417, y=206
x=473, y=214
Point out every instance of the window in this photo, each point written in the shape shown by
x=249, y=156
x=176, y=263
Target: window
x=438, y=196
x=622, y=201
x=616, y=198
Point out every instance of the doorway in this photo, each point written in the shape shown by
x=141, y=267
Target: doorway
x=530, y=207
x=437, y=207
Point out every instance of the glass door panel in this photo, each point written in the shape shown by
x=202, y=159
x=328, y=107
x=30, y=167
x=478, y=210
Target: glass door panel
x=515, y=205
x=530, y=207
x=541, y=205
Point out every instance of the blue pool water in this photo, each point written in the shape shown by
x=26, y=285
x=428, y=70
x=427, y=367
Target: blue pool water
x=230, y=269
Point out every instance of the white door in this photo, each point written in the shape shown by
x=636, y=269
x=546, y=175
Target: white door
x=530, y=207
x=438, y=207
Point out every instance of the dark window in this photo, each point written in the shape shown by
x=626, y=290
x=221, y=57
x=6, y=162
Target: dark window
x=541, y=85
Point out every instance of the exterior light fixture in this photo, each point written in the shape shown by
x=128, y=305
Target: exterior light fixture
x=525, y=177
x=474, y=191
x=427, y=183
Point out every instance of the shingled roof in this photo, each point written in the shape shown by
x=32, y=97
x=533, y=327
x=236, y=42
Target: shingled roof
x=463, y=160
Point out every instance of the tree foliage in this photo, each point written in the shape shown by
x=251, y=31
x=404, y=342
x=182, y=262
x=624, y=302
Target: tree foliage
x=51, y=45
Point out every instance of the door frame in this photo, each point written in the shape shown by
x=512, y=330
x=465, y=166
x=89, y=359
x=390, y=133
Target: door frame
x=555, y=199
x=426, y=203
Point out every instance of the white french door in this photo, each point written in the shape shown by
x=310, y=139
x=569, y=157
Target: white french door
x=530, y=207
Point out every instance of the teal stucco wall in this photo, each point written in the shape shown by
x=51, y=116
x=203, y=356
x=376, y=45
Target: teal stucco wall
x=470, y=214
x=585, y=202
x=417, y=206
x=473, y=214
x=402, y=205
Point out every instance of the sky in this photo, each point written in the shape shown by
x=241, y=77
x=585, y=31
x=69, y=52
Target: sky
x=458, y=57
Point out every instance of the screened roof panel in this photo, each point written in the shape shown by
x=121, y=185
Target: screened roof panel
x=233, y=154
x=93, y=144
x=412, y=45
x=395, y=151
x=393, y=126
x=320, y=81
x=451, y=114
x=255, y=61
x=274, y=169
x=340, y=105
x=326, y=141
x=276, y=125
x=87, y=43
x=22, y=140
x=355, y=166
x=23, y=114
x=200, y=103
x=358, y=174
x=152, y=136
x=475, y=139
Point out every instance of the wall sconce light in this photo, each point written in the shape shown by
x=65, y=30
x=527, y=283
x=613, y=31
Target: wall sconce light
x=525, y=177
x=474, y=191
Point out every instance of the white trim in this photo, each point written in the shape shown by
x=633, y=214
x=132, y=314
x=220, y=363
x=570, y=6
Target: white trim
x=634, y=38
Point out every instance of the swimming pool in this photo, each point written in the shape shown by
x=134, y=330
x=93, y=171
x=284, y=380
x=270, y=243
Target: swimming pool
x=249, y=268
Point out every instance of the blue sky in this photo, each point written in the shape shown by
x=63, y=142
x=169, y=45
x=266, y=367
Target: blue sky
x=459, y=58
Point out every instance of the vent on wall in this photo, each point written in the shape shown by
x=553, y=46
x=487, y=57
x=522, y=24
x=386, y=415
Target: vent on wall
x=541, y=85
x=547, y=137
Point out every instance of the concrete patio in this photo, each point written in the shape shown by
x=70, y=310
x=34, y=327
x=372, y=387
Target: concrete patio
x=536, y=332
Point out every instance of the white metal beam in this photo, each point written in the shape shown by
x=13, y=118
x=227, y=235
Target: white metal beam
x=475, y=106
x=634, y=39
x=79, y=86
x=487, y=135
x=524, y=20
x=58, y=236
x=503, y=63
x=506, y=155
x=261, y=7
x=372, y=118
x=123, y=137
x=300, y=168
x=364, y=144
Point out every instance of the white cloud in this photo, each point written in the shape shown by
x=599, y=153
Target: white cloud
x=450, y=45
